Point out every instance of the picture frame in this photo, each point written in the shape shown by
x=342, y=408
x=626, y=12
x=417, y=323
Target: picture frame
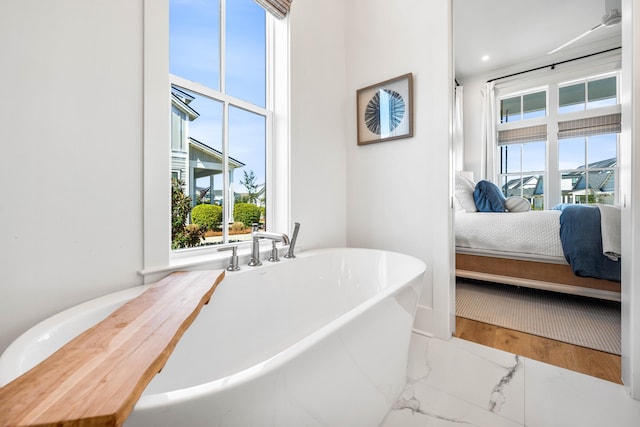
x=385, y=110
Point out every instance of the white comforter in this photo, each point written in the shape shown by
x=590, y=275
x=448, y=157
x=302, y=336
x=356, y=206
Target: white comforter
x=534, y=233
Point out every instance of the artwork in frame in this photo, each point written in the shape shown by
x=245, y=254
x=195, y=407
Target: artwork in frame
x=385, y=110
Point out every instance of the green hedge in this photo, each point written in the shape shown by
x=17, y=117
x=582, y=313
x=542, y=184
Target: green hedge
x=208, y=217
x=246, y=213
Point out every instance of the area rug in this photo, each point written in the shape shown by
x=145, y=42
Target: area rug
x=582, y=321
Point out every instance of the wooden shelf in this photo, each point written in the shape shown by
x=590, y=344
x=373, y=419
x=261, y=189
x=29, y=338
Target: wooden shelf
x=96, y=378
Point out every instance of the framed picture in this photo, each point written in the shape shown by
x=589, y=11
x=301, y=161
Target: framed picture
x=385, y=110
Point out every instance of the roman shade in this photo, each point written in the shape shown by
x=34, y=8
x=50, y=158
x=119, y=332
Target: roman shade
x=611, y=123
x=278, y=8
x=520, y=135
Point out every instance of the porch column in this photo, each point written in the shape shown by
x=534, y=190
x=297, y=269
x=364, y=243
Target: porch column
x=192, y=186
x=211, y=187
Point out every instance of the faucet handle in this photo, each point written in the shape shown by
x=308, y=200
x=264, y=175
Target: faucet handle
x=233, y=262
x=274, y=252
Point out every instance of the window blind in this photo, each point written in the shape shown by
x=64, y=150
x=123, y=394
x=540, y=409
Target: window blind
x=278, y=8
x=520, y=135
x=610, y=123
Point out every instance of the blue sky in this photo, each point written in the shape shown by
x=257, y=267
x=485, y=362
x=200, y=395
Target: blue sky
x=194, y=55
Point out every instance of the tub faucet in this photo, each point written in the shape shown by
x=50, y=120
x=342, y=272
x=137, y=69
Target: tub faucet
x=256, y=235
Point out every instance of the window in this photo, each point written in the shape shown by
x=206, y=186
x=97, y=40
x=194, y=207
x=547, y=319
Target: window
x=587, y=95
x=219, y=120
x=588, y=166
x=561, y=148
x=523, y=107
x=160, y=83
x=588, y=145
x=522, y=154
x=522, y=169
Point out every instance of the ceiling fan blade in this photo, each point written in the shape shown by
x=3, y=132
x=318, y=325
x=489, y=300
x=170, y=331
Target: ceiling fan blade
x=575, y=39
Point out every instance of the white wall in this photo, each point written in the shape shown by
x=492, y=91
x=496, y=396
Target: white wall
x=71, y=137
x=398, y=193
x=630, y=189
x=318, y=120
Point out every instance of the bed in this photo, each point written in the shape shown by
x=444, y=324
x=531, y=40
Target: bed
x=550, y=249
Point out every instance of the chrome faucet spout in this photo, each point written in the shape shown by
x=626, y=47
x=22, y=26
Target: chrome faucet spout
x=276, y=237
x=256, y=235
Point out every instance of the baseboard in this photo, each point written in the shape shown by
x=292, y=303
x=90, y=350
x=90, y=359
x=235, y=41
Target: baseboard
x=423, y=322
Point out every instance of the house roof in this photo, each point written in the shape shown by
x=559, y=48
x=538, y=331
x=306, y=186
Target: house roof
x=182, y=95
x=531, y=185
x=178, y=103
x=198, y=145
x=600, y=180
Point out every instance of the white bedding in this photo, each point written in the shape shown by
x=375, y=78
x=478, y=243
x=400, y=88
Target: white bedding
x=533, y=233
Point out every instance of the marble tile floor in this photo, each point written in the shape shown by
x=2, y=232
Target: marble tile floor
x=461, y=383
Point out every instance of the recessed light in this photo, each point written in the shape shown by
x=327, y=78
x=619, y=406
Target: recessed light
x=485, y=57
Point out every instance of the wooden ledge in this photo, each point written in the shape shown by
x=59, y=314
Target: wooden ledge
x=96, y=378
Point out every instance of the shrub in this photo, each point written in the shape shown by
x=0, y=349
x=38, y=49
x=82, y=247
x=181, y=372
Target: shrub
x=208, y=217
x=190, y=236
x=238, y=227
x=246, y=213
x=182, y=235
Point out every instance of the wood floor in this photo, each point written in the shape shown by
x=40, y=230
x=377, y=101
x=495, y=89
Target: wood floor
x=591, y=362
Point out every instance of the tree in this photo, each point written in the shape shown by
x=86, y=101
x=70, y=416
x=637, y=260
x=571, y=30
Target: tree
x=249, y=182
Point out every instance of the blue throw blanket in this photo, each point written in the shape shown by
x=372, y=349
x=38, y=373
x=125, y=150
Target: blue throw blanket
x=582, y=243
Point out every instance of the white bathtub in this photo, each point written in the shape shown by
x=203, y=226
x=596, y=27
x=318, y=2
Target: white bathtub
x=320, y=340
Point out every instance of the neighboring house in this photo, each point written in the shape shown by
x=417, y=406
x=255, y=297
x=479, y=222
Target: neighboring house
x=601, y=176
x=192, y=160
x=181, y=115
x=530, y=187
x=601, y=179
x=525, y=187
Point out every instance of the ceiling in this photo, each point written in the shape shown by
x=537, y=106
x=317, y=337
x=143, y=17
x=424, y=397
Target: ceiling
x=517, y=34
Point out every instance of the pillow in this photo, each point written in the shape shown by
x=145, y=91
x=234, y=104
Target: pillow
x=488, y=197
x=464, y=194
x=517, y=204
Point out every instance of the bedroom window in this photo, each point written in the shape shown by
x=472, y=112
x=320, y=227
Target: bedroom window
x=523, y=107
x=219, y=143
x=588, y=94
x=560, y=144
x=588, y=128
x=588, y=169
x=588, y=159
x=522, y=159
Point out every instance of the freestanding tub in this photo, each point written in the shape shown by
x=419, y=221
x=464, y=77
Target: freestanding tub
x=320, y=340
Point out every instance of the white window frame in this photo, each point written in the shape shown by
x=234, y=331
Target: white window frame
x=521, y=95
x=586, y=81
x=597, y=68
x=158, y=258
